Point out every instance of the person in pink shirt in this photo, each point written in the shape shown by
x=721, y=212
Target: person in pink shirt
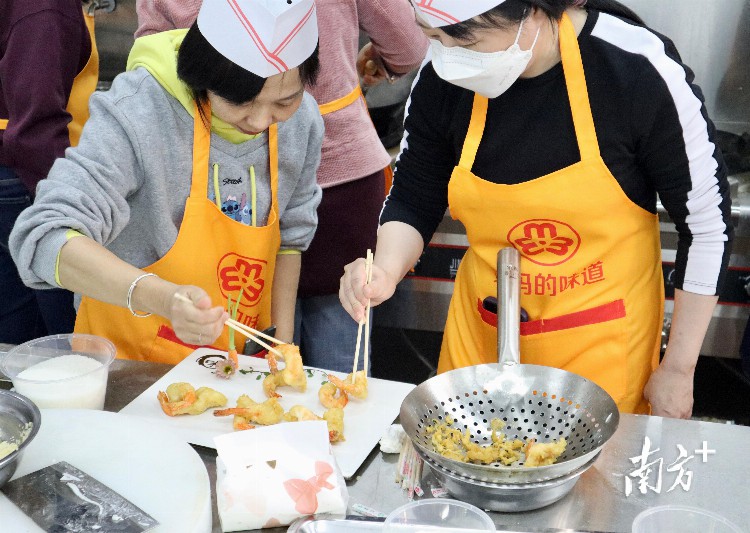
x=353, y=163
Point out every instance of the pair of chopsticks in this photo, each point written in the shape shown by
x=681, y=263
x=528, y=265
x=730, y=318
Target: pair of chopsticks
x=254, y=334
x=365, y=322
x=247, y=331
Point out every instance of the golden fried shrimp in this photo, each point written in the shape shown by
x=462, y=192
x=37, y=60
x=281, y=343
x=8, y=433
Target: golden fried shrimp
x=248, y=412
x=327, y=396
x=177, y=399
x=543, y=453
x=270, y=383
x=182, y=399
x=292, y=375
x=334, y=417
x=208, y=399
x=273, y=362
x=300, y=412
x=355, y=385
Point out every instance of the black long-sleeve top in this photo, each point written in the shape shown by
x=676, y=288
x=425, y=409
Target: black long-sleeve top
x=651, y=122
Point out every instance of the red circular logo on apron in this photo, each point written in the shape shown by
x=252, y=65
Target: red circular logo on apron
x=237, y=273
x=545, y=242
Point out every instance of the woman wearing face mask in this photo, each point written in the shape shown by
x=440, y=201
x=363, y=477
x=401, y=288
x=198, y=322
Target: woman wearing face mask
x=194, y=181
x=552, y=127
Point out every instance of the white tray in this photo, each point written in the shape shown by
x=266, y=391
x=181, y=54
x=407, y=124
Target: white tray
x=364, y=421
x=155, y=471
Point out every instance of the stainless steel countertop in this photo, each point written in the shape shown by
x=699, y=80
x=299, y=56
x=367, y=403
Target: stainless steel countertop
x=597, y=502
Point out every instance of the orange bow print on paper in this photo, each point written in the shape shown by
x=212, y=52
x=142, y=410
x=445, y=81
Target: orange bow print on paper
x=305, y=493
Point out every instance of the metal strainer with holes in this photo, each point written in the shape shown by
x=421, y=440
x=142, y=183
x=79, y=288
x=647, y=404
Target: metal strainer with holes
x=532, y=401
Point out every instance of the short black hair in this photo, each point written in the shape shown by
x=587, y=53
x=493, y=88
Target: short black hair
x=203, y=69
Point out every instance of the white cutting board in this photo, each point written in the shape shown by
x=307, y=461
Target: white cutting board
x=157, y=472
x=364, y=421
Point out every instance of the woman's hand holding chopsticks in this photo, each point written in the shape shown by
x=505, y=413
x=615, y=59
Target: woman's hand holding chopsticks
x=193, y=318
x=354, y=292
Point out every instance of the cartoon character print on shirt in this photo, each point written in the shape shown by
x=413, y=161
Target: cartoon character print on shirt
x=246, y=212
x=231, y=208
x=238, y=211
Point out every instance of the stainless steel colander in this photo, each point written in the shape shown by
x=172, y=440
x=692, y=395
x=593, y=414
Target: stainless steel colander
x=533, y=401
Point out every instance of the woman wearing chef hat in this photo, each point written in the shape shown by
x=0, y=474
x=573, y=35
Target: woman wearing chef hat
x=207, y=122
x=552, y=128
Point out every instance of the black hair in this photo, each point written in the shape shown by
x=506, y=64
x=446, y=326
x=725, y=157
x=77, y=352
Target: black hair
x=512, y=12
x=203, y=68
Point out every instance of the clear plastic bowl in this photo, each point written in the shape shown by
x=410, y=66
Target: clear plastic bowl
x=682, y=519
x=64, y=385
x=438, y=516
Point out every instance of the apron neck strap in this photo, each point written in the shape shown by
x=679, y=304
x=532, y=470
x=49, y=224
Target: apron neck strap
x=201, y=150
x=475, y=132
x=578, y=96
x=273, y=164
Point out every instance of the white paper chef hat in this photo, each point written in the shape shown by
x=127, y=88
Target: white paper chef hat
x=266, y=37
x=438, y=13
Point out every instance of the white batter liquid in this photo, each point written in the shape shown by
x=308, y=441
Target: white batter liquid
x=84, y=385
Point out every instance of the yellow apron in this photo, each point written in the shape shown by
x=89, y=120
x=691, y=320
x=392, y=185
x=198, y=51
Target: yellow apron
x=212, y=251
x=345, y=101
x=591, y=277
x=84, y=84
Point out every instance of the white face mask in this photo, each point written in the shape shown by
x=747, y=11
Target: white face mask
x=486, y=73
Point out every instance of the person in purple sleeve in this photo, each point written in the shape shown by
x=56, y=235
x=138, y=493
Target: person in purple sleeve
x=48, y=69
x=353, y=165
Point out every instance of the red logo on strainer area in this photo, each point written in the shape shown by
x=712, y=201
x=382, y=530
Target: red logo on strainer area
x=545, y=242
x=237, y=273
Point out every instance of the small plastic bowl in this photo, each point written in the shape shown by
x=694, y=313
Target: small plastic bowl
x=682, y=519
x=62, y=386
x=438, y=515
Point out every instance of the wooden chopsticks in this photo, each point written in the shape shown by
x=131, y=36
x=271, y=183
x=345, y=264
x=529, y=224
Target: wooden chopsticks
x=254, y=334
x=365, y=322
x=247, y=331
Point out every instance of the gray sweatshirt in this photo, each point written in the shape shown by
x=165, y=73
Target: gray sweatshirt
x=126, y=183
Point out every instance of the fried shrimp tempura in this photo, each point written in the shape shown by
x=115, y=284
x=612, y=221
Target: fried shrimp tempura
x=182, y=399
x=331, y=396
x=249, y=412
x=292, y=375
x=334, y=418
x=353, y=384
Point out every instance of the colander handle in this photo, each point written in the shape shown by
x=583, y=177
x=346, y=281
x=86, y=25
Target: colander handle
x=509, y=306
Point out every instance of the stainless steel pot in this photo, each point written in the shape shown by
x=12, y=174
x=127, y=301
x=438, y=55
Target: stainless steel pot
x=506, y=498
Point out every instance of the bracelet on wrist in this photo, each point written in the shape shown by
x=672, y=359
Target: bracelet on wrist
x=130, y=296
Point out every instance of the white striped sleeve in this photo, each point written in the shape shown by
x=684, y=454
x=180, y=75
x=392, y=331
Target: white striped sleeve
x=708, y=228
